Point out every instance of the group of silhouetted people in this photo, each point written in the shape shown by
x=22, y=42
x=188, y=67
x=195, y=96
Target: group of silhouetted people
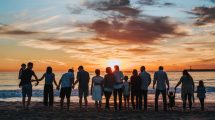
x=113, y=82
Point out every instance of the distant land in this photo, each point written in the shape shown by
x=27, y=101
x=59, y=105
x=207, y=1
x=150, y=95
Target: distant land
x=201, y=70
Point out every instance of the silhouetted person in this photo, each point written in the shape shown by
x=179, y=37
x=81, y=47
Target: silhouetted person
x=23, y=67
x=187, y=89
x=161, y=79
x=201, y=93
x=26, y=85
x=48, y=97
x=144, y=84
x=171, y=103
x=118, y=87
x=109, y=81
x=126, y=92
x=66, y=82
x=97, y=89
x=83, y=78
x=135, y=89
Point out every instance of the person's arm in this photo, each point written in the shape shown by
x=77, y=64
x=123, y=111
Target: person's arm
x=40, y=78
x=58, y=87
x=178, y=83
x=193, y=84
x=55, y=81
x=122, y=76
x=78, y=77
x=91, y=90
x=35, y=76
x=155, y=80
x=167, y=81
x=150, y=80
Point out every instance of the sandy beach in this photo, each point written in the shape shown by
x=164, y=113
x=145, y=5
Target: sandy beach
x=14, y=111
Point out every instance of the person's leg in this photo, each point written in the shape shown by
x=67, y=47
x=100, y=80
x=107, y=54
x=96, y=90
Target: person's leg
x=120, y=91
x=184, y=101
x=51, y=96
x=62, y=96
x=29, y=102
x=61, y=102
x=85, y=98
x=115, y=98
x=96, y=105
x=145, y=99
x=106, y=100
x=140, y=100
x=202, y=103
x=164, y=100
x=137, y=102
x=80, y=98
x=157, y=93
x=128, y=100
x=100, y=105
x=124, y=101
x=68, y=102
x=23, y=102
x=190, y=100
x=23, y=97
x=29, y=94
x=45, y=96
x=132, y=100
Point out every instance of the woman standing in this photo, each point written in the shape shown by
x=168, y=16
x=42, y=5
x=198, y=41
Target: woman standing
x=109, y=81
x=96, y=89
x=187, y=89
x=48, y=87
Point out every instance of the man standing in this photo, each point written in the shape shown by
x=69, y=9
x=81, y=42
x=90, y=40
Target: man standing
x=26, y=85
x=83, y=78
x=118, y=87
x=66, y=82
x=144, y=84
x=160, y=77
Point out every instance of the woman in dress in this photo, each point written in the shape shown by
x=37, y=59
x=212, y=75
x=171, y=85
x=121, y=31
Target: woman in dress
x=96, y=89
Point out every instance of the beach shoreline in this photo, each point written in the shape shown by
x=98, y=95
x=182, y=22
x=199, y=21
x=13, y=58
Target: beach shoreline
x=13, y=110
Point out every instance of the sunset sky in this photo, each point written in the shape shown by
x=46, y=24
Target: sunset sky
x=99, y=33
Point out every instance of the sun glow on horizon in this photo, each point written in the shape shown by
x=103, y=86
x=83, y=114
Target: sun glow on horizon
x=112, y=62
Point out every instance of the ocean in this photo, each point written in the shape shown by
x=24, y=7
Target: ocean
x=9, y=90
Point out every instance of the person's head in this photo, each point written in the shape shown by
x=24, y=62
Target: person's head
x=97, y=71
x=49, y=70
x=160, y=67
x=81, y=68
x=108, y=70
x=30, y=65
x=126, y=78
x=142, y=68
x=135, y=72
x=71, y=70
x=116, y=68
x=185, y=72
x=23, y=66
x=171, y=93
x=201, y=83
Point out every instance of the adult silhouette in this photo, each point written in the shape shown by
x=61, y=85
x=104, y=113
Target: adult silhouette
x=144, y=84
x=83, y=78
x=161, y=79
x=187, y=88
x=118, y=87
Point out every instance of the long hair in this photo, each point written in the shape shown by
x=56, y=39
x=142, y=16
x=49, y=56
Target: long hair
x=135, y=72
x=108, y=70
x=201, y=83
x=49, y=70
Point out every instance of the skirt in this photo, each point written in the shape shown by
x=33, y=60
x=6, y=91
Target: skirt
x=97, y=93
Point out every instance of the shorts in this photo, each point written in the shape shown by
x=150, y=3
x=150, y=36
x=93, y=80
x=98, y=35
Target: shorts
x=66, y=91
x=83, y=92
x=27, y=90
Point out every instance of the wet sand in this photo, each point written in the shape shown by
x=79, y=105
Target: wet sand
x=14, y=111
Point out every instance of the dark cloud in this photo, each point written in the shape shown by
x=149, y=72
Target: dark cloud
x=64, y=41
x=147, y=2
x=169, y=4
x=121, y=6
x=140, y=51
x=6, y=29
x=135, y=30
x=74, y=10
x=204, y=15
